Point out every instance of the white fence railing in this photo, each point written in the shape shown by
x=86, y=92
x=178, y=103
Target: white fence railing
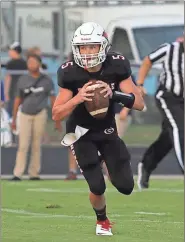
x=7, y=3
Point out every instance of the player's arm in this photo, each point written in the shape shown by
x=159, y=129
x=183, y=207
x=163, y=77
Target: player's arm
x=64, y=104
x=131, y=95
x=17, y=102
x=155, y=57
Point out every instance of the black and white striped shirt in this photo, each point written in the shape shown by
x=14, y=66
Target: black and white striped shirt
x=171, y=56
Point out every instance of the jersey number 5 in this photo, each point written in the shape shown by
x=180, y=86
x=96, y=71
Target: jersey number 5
x=117, y=57
x=70, y=63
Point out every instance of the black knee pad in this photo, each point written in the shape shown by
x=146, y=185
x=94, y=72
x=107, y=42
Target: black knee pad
x=125, y=190
x=94, y=177
x=126, y=187
x=97, y=189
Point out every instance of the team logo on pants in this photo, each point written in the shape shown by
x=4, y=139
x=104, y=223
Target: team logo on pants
x=109, y=130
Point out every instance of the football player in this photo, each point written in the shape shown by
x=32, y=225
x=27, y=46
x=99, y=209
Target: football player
x=90, y=46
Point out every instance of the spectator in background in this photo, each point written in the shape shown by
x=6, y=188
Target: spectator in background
x=17, y=63
x=34, y=50
x=33, y=91
x=37, y=51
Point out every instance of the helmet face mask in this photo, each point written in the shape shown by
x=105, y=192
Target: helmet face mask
x=86, y=35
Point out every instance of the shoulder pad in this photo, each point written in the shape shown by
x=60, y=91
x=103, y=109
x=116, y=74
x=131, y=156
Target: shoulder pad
x=67, y=65
x=65, y=74
x=120, y=64
x=117, y=59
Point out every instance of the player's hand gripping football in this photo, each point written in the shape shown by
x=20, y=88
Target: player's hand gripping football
x=85, y=93
x=106, y=89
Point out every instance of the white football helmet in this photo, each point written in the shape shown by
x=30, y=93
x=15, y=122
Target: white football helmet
x=90, y=33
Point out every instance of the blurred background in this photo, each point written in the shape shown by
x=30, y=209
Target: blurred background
x=134, y=28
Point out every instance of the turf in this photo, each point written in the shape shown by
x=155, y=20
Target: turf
x=141, y=134
x=57, y=211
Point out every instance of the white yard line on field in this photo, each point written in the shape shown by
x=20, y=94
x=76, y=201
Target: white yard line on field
x=41, y=215
x=28, y=214
x=156, y=221
x=32, y=214
x=149, y=213
x=109, y=190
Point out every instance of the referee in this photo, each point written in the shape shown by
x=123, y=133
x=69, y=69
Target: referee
x=170, y=101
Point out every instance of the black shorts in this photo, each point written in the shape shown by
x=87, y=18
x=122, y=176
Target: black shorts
x=115, y=154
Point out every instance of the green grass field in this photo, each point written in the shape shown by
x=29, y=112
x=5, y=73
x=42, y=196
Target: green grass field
x=58, y=211
x=141, y=134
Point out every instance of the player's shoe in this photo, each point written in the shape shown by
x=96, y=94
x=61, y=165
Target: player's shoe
x=15, y=178
x=143, y=177
x=104, y=228
x=71, y=176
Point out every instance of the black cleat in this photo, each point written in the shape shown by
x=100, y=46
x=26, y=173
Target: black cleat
x=35, y=178
x=143, y=177
x=15, y=178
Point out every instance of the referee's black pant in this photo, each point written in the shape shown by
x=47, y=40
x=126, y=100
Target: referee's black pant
x=172, y=133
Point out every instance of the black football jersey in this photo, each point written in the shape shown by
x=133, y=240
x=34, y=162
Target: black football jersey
x=115, y=69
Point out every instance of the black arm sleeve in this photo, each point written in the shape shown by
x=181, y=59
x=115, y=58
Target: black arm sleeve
x=127, y=100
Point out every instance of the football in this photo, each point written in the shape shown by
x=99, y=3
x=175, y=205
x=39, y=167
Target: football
x=98, y=107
